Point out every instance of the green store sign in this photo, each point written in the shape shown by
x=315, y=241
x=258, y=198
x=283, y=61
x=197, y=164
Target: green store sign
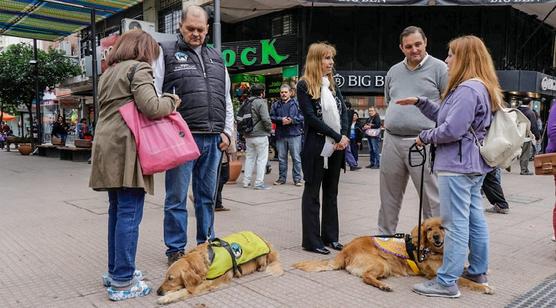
x=265, y=53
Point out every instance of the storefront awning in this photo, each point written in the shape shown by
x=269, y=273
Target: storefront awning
x=51, y=20
x=237, y=10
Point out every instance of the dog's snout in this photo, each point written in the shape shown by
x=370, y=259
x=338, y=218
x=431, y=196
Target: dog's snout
x=160, y=292
x=436, y=237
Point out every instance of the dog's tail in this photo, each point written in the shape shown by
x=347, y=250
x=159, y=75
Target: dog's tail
x=321, y=265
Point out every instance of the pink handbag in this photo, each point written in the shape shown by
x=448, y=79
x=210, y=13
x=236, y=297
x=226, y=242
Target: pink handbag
x=162, y=144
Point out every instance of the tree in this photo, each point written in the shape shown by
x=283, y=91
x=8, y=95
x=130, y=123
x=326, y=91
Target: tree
x=17, y=75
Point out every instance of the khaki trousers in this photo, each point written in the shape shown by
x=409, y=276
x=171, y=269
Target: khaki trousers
x=394, y=175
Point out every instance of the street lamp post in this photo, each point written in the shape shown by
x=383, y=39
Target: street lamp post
x=217, y=30
x=37, y=98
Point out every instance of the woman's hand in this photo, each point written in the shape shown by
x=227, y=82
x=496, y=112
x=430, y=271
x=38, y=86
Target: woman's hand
x=176, y=99
x=407, y=101
x=344, y=142
x=419, y=142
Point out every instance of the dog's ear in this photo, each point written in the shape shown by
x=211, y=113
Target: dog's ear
x=195, y=272
x=190, y=278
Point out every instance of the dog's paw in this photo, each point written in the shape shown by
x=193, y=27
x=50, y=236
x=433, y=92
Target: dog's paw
x=164, y=300
x=386, y=288
x=488, y=290
x=171, y=298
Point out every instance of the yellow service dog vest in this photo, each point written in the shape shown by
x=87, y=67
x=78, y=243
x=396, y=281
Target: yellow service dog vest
x=396, y=246
x=243, y=247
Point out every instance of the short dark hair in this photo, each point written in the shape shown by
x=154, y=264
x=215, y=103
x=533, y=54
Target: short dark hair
x=134, y=45
x=410, y=30
x=194, y=7
x=257, y=89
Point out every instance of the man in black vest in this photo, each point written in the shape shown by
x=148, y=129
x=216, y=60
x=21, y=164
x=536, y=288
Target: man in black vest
x=196, y=73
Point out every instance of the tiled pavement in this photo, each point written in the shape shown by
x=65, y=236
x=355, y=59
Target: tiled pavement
x=53, y=242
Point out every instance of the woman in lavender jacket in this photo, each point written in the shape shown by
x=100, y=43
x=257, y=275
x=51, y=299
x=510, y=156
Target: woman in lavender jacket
x=473, y=93
x=551, y=148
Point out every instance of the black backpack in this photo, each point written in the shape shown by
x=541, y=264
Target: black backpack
x=244, y=117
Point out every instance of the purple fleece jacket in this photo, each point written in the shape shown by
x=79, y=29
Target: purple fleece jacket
x=456, y=151
x=551, y=130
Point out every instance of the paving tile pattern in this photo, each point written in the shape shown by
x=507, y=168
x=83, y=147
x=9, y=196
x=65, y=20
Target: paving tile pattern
x=53, y=243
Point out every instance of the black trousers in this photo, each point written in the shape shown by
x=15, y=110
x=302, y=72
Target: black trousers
x=493, y=189
x=224, y=176
x=315, y=233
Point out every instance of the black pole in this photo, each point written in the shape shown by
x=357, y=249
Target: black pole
x=94, y=60
x=37, y=98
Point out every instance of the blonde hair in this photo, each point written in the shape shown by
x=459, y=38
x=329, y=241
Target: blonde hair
x=313, y=68
x=472, y=60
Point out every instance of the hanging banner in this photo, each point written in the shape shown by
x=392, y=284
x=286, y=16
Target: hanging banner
x=371, y=2
x=491, y=2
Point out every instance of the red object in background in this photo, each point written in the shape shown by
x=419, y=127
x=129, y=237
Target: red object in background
x=105, y=47
x=273, y=127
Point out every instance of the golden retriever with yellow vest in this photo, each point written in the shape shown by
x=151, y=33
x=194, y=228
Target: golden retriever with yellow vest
x=194, y=273
x=369, y=258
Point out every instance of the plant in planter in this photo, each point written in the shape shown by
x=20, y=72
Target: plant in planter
x=25, y=146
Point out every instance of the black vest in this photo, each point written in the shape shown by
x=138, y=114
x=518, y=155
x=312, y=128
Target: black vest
x=202, y=93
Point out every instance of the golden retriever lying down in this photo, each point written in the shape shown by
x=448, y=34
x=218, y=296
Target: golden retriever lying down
x=364, y=258
x=189, y=275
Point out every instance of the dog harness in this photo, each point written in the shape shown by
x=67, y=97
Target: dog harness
x=233, y=250
x=398, y=248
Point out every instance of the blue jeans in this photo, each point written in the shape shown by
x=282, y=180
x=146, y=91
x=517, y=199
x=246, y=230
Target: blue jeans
x=463, y=218
x=350, y=159
x=124, y=216
x=374, y=151
x=204, y=170
x=293, y=144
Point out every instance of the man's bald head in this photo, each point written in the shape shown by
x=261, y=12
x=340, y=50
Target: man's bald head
x=196, y=11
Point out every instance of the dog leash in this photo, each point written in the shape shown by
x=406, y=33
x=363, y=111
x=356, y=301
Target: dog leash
x=211, y=226
x=420, y=152
x=216, y=242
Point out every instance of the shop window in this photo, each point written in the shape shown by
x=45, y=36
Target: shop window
x=283, y=25
x=169, y=21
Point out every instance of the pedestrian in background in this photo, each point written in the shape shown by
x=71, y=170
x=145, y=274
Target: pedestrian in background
x=60, y=129
x=551, y=148
x=495, y=195
x=355, y=137
x=465, y=114
x=225, y=174
x=287, y=117
x=115, y=165
x=527, y=150
x=326, y=128
x=197, y=74
x=419, y=74
x=373, y=122
x=256, y=141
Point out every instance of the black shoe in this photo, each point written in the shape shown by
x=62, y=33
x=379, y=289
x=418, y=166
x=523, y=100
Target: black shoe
x=354, y=168
x=322, y=251
x=174, y=256
x=526, y=173
x=335, y=245
x=221, y=209
x=369, y=166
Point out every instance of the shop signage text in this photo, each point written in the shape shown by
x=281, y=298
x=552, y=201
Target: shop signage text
x=360, y=81
x=248, y=56
x=548, y=83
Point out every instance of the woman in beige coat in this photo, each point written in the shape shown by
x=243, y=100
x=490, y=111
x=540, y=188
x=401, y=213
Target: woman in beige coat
x=115, y=165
